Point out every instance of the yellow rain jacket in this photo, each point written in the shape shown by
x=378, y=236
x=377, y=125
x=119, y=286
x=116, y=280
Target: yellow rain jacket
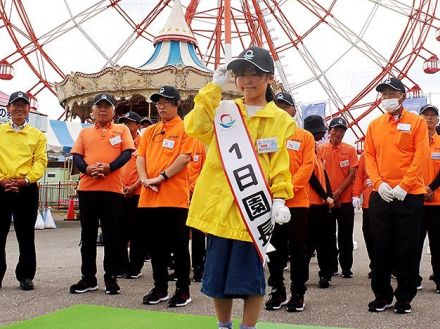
x=213, y=208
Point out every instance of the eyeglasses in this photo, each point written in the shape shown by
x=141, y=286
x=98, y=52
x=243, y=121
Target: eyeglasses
x=162, y=104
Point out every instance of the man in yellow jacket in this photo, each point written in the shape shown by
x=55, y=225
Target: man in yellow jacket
x=23, y=160
x=233, y=268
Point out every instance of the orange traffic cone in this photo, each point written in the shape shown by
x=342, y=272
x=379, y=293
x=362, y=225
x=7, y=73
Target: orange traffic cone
x=71, y=210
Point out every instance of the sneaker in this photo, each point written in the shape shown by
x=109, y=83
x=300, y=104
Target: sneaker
x=296, y=303
x=120, y=275
x=197, y=277
x=347, y=274
x=133, y=275
x=111, y=286
x=155, y=296
x=402, y=307
x=324, y=282
x=419, y=283
x=84, y=285
x=276, y=300
x=180, y=298
x=379, y=305
x=26, y=284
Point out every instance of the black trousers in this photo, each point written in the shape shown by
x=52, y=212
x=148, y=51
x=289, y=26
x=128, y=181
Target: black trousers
x=344, y=217
x=394, y=228
x=133, y=235
x=430, y=224
x=105, y=208
x=290, y=240
x=23, y=205
x=319, y=238
x=166, y=229
x=198, y=250
x=366, y=230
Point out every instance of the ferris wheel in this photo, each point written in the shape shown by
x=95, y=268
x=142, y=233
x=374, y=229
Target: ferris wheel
x=331, y=51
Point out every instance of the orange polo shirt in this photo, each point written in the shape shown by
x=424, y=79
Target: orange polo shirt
x=360, y=185
x=318, y=170
x=160, y=145
x=98, y=144
x=301, y=148
x=432, y=168
x=129, y=171
x=396, y=151
x=338, y=160
x=195, y=166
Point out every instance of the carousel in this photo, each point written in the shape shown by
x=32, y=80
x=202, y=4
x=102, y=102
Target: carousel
x=174, y=62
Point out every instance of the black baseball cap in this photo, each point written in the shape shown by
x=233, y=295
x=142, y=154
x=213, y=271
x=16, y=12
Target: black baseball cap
x=393, y=83
x=259, y=57
x=104, y=97
x=132, y=116
x=428, y=107
x=315, y=124
x=167, y=92
x=338, y=122
x=17, y=96
x=146, y=119
x=285, y=97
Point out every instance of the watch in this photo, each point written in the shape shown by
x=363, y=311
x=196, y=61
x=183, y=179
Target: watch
x=28, y=182
x=164, y=175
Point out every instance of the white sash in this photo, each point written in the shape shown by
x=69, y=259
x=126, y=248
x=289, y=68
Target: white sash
x=244, y=174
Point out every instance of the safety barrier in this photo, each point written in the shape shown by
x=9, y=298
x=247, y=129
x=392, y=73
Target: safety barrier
x=57, y=195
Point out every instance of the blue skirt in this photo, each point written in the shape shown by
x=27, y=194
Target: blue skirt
x=232, y=269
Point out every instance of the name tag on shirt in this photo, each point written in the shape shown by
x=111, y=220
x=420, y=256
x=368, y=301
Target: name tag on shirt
x=267, y=145
x=293, y=145
x=404, y=127
x=115, y=140
x=344, y=163
x=168, y=143
x=435, y=155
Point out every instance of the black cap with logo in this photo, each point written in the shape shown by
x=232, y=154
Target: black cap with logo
x=257, y=56
x=285, y=97
x=167, y=92
x=315, y=124
x=338, y=122
x=427, y=107
x=393, y=83
x=104, y=97
x=132, y=116
x=19, y=95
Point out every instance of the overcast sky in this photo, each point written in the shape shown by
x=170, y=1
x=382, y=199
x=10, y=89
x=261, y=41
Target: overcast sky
x=347, y=74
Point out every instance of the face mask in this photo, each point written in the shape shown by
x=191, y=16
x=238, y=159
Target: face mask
x=390, y=105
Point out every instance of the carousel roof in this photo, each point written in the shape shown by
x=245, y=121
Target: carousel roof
x=175, y=45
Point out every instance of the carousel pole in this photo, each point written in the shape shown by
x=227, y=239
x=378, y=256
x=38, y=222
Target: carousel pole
x=228, y=53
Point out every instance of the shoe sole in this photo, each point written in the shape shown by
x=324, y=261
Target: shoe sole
x=189, y=300
x=296, y=309
x=84, y=290
x=113, y=292
x=275, y=308
x=380, y=309
x=154, y=302
x=402, y=311
x=137, y=276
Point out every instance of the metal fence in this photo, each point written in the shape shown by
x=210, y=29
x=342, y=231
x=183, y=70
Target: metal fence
x=57, y=195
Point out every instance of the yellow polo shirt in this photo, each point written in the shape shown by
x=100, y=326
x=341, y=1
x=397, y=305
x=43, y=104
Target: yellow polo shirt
x=22, y=153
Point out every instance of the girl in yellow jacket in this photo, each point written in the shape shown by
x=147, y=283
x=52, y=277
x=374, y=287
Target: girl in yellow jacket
x=233, y=268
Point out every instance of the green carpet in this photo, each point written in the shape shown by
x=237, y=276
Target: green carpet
x=102, y=317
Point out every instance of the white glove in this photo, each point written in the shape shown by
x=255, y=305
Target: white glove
x=356, y=202
x=221, y=76
x=399, y=193
x=386, y=192
x=280, y=213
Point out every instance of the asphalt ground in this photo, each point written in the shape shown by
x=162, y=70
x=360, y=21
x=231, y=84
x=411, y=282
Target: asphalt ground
x=344, y=304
